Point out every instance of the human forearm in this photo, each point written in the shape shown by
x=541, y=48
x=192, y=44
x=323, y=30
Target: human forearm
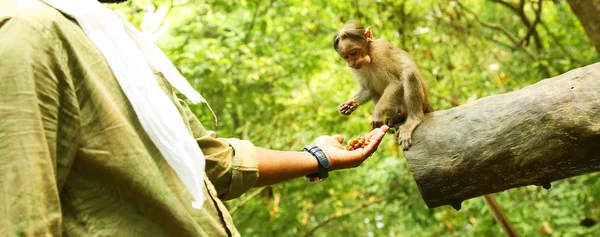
x=278, y=166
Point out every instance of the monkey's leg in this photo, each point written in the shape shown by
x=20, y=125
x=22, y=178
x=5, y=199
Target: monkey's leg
x=359, y=98
x=413, y=96
x=405, y=132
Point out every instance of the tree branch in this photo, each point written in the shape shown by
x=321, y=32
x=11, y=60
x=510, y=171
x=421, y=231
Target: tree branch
x=519, y=9
x=531, y=30
x=498, y=27
x=512, y=6
x=251, y=24
x=542, y=133
x=588, y=13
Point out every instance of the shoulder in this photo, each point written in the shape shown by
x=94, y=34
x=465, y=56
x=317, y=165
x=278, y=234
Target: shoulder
x=378, y=42
x=33, y=30
x=381, y=48
x=29, y=17
x=384, y=44
x=33, y=11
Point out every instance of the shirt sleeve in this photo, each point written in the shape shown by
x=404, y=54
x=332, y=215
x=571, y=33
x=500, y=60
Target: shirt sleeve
x=231, y=164
x=29, y=98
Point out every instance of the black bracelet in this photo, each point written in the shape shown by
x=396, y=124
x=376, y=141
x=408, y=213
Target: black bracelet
x=323, y=164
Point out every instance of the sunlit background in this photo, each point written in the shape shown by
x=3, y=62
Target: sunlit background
x=269, y=71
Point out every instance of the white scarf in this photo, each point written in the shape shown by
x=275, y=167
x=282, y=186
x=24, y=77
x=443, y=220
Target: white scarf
x=129, y=55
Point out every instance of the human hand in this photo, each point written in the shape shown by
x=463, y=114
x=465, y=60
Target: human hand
x=339, y=158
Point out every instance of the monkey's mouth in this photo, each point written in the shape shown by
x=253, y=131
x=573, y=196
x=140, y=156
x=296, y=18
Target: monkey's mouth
x=361, y=63
x=357, y=66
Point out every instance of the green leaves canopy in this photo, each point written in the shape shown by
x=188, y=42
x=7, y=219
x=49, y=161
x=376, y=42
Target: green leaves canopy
x=269, y=71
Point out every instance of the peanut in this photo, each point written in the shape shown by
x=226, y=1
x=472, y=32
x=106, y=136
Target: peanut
x=358, y=142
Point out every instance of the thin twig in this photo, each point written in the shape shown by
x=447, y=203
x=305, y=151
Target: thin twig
x=519, y=9
x=358, y=13
x=251, y=25
x=498, y=27
x=450, y=228
x=452, y=101
x=344, y=214
x=538, y=16
x=235, y=115
x=558, y=43
x=246, y=199
x=499, y=215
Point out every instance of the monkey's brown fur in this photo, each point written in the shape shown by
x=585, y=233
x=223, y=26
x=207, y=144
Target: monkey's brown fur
x=388, y=76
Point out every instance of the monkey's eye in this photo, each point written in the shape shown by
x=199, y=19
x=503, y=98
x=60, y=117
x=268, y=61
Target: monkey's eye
x=353, y=53
x=345, y=56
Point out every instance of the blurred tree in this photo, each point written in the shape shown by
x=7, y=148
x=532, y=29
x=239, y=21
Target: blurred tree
x=588, y=13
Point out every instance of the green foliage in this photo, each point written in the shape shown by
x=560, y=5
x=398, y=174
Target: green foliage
x=269, y=71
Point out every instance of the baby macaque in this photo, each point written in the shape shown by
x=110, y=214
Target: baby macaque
x=387, y=76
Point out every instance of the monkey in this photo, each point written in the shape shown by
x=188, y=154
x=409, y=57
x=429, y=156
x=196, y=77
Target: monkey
x=385, y=75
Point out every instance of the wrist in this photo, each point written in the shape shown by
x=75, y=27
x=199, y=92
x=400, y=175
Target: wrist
x=323, y=164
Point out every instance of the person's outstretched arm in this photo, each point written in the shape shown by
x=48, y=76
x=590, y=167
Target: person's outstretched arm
x=277, y=166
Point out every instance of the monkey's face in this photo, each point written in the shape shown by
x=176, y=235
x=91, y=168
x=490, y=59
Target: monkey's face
x=354, y=52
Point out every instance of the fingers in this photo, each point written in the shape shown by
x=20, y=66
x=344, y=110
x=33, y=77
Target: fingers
x=383, y=128
x=375, y=138
x=373, y=132
x=347, y=108
x=338, y=138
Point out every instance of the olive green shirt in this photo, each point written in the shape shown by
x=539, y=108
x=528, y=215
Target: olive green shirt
x=74, y=159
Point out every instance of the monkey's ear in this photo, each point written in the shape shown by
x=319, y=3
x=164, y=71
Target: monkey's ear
x=369, y=34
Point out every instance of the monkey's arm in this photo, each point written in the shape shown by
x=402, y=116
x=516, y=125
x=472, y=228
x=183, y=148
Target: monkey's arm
x=359, y=98
x=392, y=96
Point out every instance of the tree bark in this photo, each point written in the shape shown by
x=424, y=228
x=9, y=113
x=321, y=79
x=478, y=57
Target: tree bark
x=588, y=13
x=544, y=132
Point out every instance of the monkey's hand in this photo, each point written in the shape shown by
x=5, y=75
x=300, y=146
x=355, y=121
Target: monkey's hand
x=375, y=123
x=348, y=107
